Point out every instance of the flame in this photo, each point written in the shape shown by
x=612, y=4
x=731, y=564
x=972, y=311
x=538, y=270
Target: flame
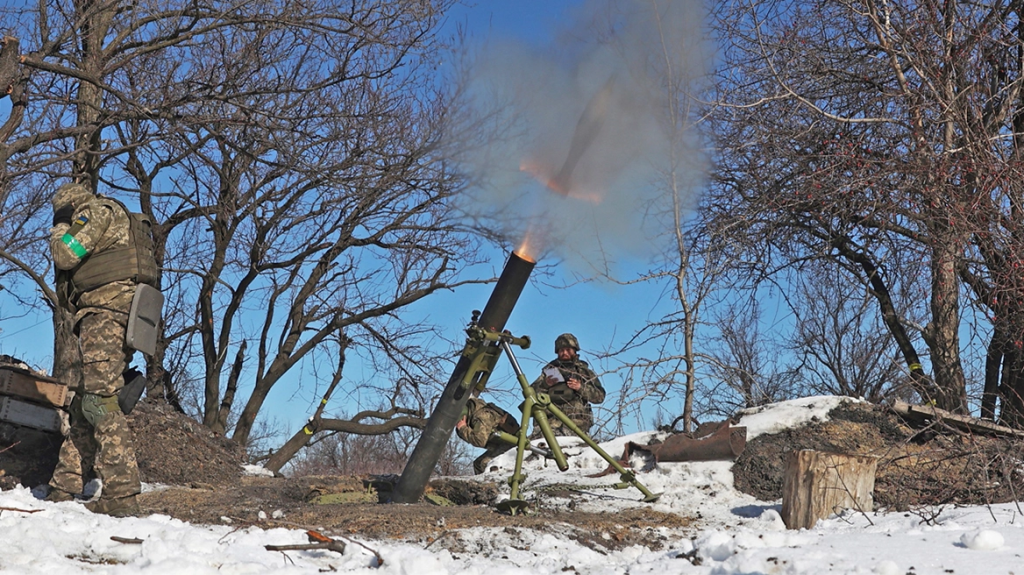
x=525, y=249
x=542, y=174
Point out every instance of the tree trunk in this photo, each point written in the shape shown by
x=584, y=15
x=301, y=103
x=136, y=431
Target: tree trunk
x=287, y=451
x=942, y=333
x=220, y=425
x=1011, y=388
x=993, y=364
x=67, y=355
x=880, y=291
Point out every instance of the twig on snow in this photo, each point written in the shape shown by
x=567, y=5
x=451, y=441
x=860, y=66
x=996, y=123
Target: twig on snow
x=20, y=510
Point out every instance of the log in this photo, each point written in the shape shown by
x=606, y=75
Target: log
x=725, y=443
x=817, y=484
x=927, y=414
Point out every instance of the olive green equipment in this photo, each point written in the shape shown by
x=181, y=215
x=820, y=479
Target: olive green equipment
x=144, y=319
x=538, y=407
x=508, y=431
x=483, y=354
x=514, y=440
x=96, y=407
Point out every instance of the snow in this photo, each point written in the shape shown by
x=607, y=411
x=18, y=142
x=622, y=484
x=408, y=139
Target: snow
x=736, y=534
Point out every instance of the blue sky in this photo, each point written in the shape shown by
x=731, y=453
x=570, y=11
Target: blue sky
x=601, y=314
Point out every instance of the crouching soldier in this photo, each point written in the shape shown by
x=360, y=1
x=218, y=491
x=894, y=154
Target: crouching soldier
x=478, y=425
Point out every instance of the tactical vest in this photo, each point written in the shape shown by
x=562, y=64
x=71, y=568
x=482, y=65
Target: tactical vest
x=135, y=261
x=560, y=393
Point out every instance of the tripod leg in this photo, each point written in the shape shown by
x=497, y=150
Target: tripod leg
x=521, y=442
x=541, y=418
x=627, y=475
x=514, y=504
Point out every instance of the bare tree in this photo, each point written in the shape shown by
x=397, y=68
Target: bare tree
x=296, y=158
x=843, y=347
x=66, y=94
x=745, y=370
x=880, y=136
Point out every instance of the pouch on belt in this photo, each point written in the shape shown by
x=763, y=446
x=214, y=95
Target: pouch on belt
x=144, y=319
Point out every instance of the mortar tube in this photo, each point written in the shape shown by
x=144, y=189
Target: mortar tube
x=425, y=455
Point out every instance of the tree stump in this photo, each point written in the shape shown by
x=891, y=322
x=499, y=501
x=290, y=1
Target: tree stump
x=818, y=484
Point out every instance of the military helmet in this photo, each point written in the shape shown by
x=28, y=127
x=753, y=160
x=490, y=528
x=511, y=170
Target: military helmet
x=472, y=406
x=566, y=340
x=73, y=194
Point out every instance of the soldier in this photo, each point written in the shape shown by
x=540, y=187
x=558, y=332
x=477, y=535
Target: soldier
x=480, y=420
x=571, y=385
x=99, y=250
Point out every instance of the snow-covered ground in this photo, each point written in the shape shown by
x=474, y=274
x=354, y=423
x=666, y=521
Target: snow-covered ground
x=737, y=534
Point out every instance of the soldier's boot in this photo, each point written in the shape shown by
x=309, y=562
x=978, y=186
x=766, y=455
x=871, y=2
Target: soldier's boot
x=480, y=463
x=120, y=507
x=58, y=495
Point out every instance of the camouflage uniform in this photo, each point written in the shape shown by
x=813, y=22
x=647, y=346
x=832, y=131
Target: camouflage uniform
x=482, y=420
x=575, y=404
x=100, y=440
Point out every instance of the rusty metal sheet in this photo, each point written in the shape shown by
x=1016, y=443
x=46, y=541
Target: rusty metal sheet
x=723, y=444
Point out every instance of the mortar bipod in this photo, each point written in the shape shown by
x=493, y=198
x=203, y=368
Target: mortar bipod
x=538, y=406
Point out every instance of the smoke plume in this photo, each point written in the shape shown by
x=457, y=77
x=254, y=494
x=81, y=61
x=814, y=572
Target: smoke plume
x=584, y=133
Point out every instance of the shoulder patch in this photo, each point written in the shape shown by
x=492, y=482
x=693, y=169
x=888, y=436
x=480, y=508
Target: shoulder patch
x=77, y=225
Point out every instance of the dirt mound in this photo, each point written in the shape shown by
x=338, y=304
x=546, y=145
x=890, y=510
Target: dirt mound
x=171, y=449
x=917, y=467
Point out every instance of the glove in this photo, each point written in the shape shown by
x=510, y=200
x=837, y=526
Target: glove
x=63, y=215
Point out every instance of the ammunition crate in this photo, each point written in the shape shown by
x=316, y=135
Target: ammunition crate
x=29, y=415
x=25, y=384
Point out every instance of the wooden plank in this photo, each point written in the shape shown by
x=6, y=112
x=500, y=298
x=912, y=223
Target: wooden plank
x=817, y=484
x=32, y=386
x=29, y=415
x=967, y=423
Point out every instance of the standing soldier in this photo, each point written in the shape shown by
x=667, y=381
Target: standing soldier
x=571, y=385
x=104, y=252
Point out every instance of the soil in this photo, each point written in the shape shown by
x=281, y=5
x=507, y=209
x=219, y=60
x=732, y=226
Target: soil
x=199, y=479
x=917, y=467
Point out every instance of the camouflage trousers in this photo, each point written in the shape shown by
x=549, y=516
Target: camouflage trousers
x=493, y=449
x=104, y=450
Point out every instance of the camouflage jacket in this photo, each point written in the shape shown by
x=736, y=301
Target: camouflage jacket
x=103, y=225
x=575, y=404
x=482, y=419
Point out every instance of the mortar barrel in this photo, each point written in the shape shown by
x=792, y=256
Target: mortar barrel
x=425, y=455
